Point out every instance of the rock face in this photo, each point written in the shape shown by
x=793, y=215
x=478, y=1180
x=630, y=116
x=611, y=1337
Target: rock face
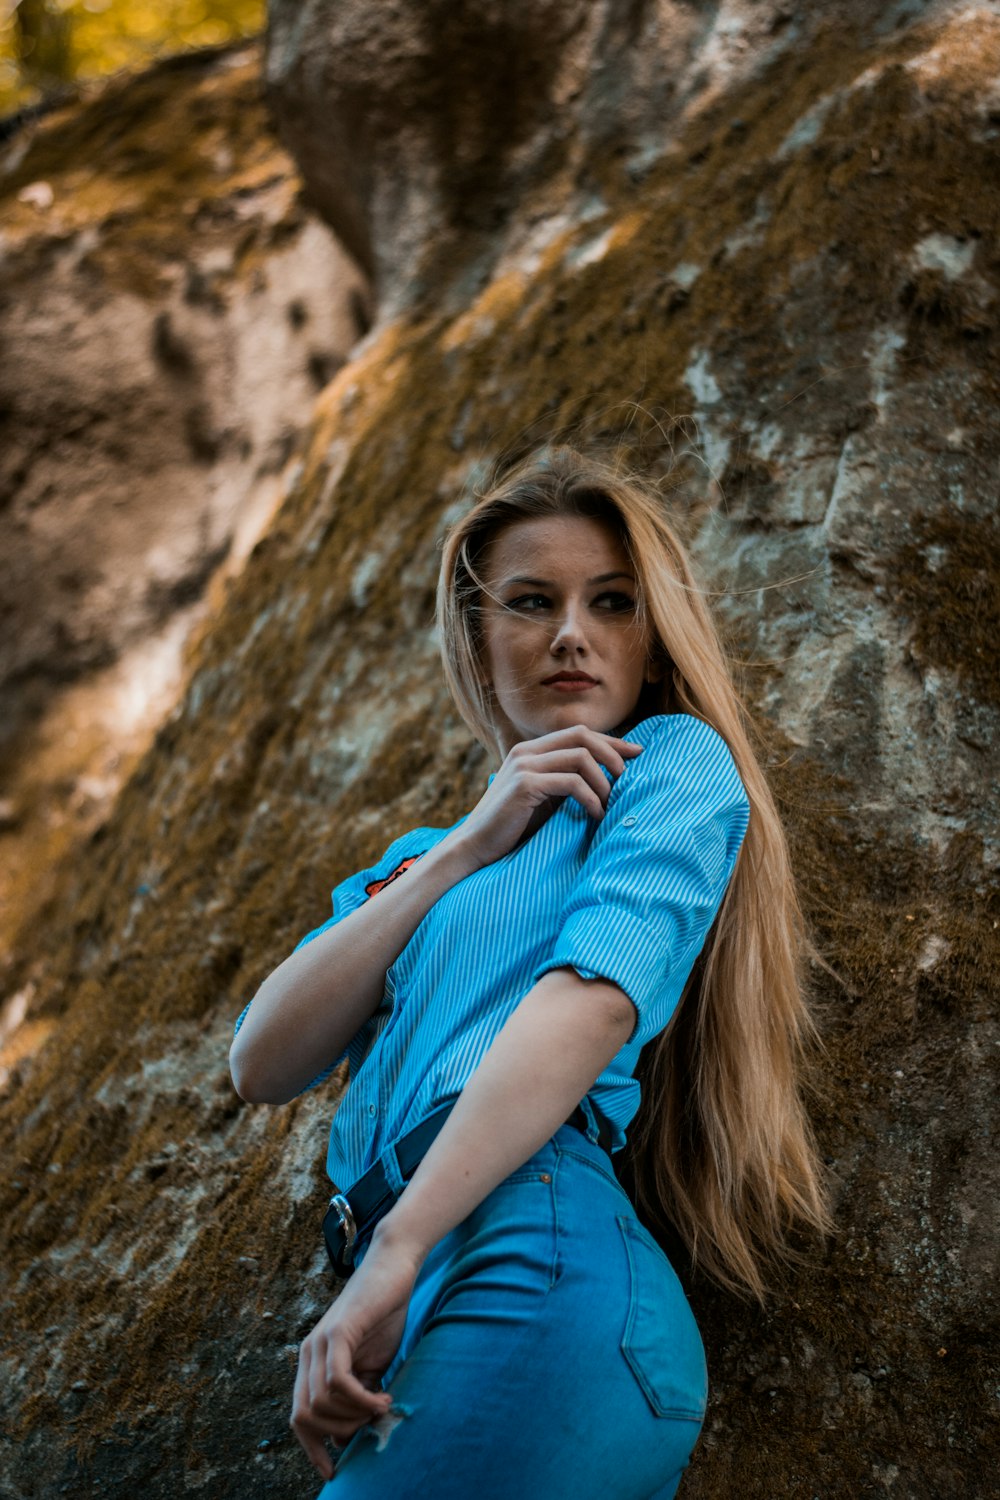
x=169, y=309
x=776, y=285
x=166, y=323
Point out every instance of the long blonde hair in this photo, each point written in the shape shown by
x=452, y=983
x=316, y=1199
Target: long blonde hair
x=721, y=1151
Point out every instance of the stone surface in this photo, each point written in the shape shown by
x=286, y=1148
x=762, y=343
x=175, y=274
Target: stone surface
x=166, y=321
x=169, y=309
x=783, y=301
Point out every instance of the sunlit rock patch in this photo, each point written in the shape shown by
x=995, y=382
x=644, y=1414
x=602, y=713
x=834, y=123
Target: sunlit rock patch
x=169, y=309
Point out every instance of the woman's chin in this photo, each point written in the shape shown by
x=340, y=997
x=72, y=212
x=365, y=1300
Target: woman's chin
x=576, y=711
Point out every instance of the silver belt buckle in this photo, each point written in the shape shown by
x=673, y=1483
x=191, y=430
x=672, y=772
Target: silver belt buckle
x=342, y=1209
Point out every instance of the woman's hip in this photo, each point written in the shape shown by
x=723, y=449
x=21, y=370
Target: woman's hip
x=551, y=1322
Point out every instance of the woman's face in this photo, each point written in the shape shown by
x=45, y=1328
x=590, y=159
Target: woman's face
x=562, y=644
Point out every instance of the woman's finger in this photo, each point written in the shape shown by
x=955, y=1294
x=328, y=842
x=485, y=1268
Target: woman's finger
x=602, y=746
x=333, y=1418
x=578, y=748
x=302, y=1422
x=300, y=1394
x=327, y=1399
x=341, y=1379
x=567, y=784
x=317, y=1346
x=598, y=748
x=575, y=763
x=315, y=1449
x=314, y=1423
x=576, y=760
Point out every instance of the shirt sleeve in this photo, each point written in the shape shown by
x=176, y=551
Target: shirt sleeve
x=347, y=897
x=656, y=871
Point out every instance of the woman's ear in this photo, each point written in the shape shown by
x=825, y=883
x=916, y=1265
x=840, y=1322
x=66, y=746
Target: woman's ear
x=656, y=666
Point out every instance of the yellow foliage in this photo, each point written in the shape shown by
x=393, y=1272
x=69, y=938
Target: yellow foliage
x=45, y=44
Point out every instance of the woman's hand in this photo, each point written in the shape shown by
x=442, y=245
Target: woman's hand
x=535, y=777
x=344, y=1358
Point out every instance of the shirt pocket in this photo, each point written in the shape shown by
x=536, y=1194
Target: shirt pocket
x=661, y=1341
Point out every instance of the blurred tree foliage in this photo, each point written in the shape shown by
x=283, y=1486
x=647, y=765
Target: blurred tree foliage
x=47, y=44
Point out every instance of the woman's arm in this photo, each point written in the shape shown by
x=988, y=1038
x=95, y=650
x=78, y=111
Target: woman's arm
x=540, y=1065
x=313, y=1003
x=309, y=1008
x=538, y=1068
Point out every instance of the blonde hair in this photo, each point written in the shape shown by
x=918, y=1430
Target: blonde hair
x=721, y=1151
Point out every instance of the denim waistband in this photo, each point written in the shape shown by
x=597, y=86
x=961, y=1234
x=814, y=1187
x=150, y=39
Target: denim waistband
x=585, y=1143
x=567, y=1140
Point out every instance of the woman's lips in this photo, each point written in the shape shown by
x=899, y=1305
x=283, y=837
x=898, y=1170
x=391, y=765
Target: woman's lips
x=571, y=684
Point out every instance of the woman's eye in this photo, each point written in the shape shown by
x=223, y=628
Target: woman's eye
x=614, y=602
x=528, y=602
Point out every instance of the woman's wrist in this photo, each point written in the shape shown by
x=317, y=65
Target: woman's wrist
x=459, y=852
x=397, y=1236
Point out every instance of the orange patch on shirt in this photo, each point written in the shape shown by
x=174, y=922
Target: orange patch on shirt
x=377, y=885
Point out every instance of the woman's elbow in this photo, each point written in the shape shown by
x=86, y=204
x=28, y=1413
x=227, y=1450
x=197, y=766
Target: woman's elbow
x=254, y=1083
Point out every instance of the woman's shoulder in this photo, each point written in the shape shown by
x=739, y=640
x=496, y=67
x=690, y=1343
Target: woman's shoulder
x=678, y=740
x=683, y=730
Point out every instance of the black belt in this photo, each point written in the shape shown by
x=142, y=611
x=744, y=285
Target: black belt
x=353, y=1215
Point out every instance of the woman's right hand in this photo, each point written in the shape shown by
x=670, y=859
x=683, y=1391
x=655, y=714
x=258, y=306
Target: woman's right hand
x=535, y=778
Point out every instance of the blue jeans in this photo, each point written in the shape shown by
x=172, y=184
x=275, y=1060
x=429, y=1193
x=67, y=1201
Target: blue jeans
x=548, y=1350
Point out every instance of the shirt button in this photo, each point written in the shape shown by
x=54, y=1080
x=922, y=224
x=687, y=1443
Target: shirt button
x=371, y=1109
x=628, y=822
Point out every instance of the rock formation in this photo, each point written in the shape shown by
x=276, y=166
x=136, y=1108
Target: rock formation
x=169, y=308
x=756, y=248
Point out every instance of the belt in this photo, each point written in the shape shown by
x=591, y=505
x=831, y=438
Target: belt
x=354, y=1214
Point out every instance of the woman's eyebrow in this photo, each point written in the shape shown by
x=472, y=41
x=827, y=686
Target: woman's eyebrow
x=546, y=583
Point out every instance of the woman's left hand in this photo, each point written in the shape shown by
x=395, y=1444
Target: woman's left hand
x=341, y=1363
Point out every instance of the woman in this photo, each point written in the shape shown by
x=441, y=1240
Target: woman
x=510, y=1327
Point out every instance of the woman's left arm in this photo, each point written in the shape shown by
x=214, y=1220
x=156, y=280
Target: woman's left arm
x=539, y=1066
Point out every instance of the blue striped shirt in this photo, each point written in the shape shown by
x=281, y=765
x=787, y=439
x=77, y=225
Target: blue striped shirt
x=630, y=898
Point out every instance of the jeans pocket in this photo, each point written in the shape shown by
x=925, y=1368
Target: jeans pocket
x=661, y=1340
x=509, y=1242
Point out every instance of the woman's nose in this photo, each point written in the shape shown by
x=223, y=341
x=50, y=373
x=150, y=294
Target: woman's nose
x=570, y=634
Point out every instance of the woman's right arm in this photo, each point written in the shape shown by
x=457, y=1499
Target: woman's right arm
x=292, y=1023
x=310, y=1007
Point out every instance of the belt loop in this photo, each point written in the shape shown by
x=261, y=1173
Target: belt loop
x=390, y=1166
x=592, y=1132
